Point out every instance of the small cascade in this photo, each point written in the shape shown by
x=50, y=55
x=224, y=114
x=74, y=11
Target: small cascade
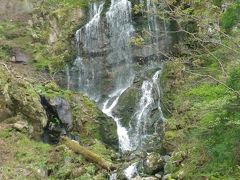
x=92, y=29
x=142, y=118
x=153, y=24
x=131, y=171
x=86, y=70
x=157, y=29
x=139, y=133
x=108, y=106
x=155, y=79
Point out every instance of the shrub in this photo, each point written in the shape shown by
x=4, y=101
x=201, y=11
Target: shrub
x=230, y=17
x=234, y=79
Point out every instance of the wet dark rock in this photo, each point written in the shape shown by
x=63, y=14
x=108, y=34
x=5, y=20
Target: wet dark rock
x=62, y=108
x=126, y=105
x=108, y=130
x=144, y=52
x=59, y=119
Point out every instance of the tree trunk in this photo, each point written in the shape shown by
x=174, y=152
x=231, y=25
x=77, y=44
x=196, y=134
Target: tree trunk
x=87, y=154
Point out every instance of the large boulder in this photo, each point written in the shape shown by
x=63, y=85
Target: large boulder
x=62, y=109
x=91, y=122
x=127, y=105
x=153, y=163
x=20, y=98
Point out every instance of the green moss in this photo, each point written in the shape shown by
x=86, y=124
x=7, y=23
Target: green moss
x=126, y=105
x=6, y=133
x=51, y=90
x=217, y=2
x=70, y=3
x=5, y=52
x=101, y=150
x=208, y=92
x=169, y=135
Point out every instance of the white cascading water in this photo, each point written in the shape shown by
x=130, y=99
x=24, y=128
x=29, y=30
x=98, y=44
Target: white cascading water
x=153, y=26
x=91, y=29
x=119, y=65
x=155, y=79
x=131, y=171
x=124, y=141
x=121, y=29
x=140, y=130
x=87, y=72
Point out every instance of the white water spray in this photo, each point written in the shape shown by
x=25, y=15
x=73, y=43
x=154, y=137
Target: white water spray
x=124, y=141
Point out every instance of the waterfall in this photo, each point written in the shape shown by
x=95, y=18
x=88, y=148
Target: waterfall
x=104, y=78
x=105, y=69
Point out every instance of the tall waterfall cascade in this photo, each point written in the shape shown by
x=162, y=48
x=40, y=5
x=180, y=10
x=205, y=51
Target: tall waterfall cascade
x=108, y=66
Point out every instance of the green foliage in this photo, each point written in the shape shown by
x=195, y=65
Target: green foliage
x=5, y=52
x=137, y=8
x=231, y=16
x=234, y=79
x=137, y=41
x=217, y=2
x=101, y=150
x=51, y=90
x=208, y=92
x=12, y=29
x=70, y=3
x=204, y=119
x=27, y=154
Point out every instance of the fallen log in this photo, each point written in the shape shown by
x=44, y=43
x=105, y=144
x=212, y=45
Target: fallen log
x=87, y=154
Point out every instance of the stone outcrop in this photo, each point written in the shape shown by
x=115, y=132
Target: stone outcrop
x=153, y=163
x=19, y=98
x=62, y=109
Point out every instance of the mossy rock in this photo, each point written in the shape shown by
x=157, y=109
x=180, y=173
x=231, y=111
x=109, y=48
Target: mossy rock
x=126, y=105
x=21, y=98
